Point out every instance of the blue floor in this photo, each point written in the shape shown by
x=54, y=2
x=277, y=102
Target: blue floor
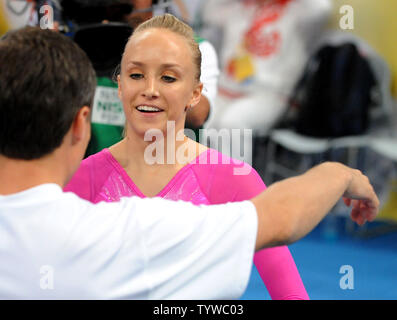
x=373, y=261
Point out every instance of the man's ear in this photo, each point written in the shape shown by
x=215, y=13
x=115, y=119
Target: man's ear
x=81, y=127
x=196, y=96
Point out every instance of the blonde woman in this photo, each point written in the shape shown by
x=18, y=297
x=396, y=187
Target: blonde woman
x=158, y=83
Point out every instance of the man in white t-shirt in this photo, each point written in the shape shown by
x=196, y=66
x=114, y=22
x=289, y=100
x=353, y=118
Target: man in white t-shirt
x=54, y=245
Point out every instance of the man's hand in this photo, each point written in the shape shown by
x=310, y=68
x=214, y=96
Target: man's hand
x=290, y=209
x=361, y=196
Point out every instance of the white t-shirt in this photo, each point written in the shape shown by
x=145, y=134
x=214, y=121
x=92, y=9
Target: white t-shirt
x=265, y=47
x=54, y=245
x=209, y=71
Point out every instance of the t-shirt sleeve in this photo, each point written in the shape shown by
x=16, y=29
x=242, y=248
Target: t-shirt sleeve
x=197, y=252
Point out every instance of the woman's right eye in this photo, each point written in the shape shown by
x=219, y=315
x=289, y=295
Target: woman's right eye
x=136, y=76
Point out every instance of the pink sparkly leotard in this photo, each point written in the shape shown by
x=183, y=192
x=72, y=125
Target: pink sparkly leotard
x=209, y=179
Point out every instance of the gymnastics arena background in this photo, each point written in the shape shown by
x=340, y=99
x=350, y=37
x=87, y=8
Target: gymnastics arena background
x=336, y=247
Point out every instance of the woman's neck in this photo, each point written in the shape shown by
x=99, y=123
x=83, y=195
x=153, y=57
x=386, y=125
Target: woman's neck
x=151, y=172
x=163, y=153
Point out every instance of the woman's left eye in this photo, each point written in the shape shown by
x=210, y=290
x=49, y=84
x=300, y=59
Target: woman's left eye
x=136, y=76
x=168, y=79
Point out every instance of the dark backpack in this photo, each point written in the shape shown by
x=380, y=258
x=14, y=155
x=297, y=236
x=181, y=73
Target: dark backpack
x=333, y=97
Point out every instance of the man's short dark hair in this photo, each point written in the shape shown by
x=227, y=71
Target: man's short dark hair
x=45, y=79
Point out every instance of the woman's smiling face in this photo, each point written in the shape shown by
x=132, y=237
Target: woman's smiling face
x=157, y=80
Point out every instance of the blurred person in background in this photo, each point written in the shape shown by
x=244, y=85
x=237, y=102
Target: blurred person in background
x=264, y=47
x=15, y=14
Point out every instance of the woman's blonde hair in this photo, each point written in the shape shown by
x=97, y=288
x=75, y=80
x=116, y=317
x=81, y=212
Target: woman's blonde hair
x=171, y=23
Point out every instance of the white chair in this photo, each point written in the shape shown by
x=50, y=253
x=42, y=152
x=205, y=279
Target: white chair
x=343, y=149
x=383, y=168
x=308, y=147
x=382, y=116
x=385, y=146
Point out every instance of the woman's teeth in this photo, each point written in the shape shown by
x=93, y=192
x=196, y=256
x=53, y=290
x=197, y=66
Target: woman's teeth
x=148, y=109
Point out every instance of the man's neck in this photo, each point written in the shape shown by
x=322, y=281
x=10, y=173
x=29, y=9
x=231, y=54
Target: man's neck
x=18, y=175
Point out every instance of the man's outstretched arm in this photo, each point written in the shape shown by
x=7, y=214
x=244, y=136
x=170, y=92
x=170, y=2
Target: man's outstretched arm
x=290, y=209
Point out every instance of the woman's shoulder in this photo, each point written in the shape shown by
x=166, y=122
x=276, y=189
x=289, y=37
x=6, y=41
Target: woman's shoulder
x=96, y=160
x=226, y=178
x=92, y=167
x=221, y=162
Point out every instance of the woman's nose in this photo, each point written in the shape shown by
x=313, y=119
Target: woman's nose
x=151, y=90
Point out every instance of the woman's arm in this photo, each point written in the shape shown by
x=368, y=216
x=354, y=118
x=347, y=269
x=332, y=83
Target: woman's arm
x=279, y=273
x=275, y=266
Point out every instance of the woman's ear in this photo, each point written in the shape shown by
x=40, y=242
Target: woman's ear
x=119, y=86
x=196, y=95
